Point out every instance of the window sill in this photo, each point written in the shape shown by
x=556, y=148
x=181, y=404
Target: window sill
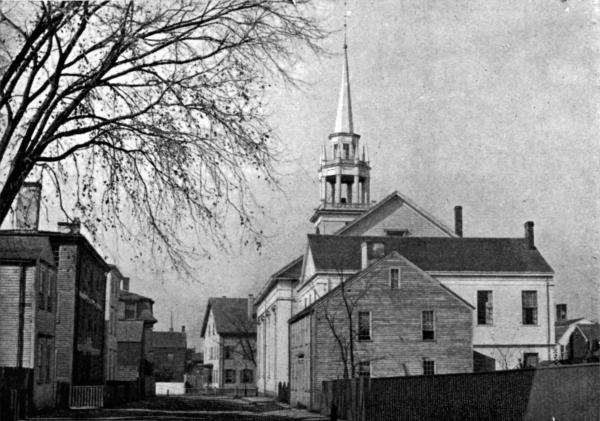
x=365, y=340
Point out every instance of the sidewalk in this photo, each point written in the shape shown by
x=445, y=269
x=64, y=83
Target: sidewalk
x=285, y=411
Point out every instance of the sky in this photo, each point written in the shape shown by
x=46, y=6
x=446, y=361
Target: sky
x=492, y=105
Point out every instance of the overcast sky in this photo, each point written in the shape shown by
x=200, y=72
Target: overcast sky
x=492, y=105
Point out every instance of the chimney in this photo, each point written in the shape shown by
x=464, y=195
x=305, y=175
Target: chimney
x=27, y=206
x=458, y=222
x=529, y=238
x=182, y=329
x=125, y=284
x=73, y=227
x=371, y=251
x=250, y=306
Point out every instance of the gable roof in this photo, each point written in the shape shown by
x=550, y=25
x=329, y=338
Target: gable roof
x=564, y=328
x=366, y=217
x=432, y=254
x=169, y=340
x=230, y=315
x=591, y=332
x=20, y=248
x=373, y=266
x=291, y=271
x=130, y=331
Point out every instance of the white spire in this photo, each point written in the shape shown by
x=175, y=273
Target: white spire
x=343, y=120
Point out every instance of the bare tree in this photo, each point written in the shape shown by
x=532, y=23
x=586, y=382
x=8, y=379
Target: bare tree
x=338, y=308
x=145, y=111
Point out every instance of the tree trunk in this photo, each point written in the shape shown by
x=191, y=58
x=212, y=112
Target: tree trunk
x=15, y=180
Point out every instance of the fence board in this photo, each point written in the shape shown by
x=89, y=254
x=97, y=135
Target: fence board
x=564, y=392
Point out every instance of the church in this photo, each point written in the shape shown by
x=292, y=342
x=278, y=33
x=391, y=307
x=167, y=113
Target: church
x=385, y=289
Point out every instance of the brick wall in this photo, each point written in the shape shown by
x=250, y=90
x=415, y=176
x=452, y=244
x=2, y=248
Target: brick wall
x=65, y=321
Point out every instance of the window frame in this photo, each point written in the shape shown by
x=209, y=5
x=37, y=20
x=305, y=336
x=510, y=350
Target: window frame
x=361, y=337
x=428, y=367
x=227, y=352
x=531, y=354
x=423, y=312
x=361, y=372
x=226, y=380
x=487, y=321
x=534, y=310
x=396, y=232
x=43, y=280
x=247, y=379
x=391, y=278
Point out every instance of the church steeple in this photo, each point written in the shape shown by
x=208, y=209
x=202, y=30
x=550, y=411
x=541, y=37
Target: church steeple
x=344, y=172
x=343, y=119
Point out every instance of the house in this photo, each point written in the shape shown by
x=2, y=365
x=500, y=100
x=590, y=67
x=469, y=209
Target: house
x=563, y=329
x=135, y=312
x=28, y=305
x=80, y=292
x=114, y=280
x=170, y=355
x=405, y=322
x=584, y=343
x=229, y=333
x=507, y=281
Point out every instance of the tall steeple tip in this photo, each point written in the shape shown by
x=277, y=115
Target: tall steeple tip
x=343, y=120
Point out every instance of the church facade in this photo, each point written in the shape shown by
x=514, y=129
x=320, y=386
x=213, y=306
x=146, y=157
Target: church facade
x=494, y=295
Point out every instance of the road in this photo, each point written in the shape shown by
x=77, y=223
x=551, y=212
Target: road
x=198, y=408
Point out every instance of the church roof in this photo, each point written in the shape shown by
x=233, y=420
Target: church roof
x=432, y=254
x=291, y=271
x=230, y=315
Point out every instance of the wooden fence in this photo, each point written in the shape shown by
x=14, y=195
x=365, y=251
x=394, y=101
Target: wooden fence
x=85, y=397
x=559, y=393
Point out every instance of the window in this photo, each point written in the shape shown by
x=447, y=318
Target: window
x=529, y=299
x=227, y=351
x=335, y=151
x=364, y=325
x=229, y=376
x=396, y=232
x=40, y=358
x=364, y=369
x=346, y=149
x=42, y=289
x=247, y=376
x=428, y=325
x=170, y=356
x=530, y=359
x=129, y=311
x=49, y=290
x=561, y=312
x=394, y=278
x=428, y=367
x=485, y=308
x=48, y=358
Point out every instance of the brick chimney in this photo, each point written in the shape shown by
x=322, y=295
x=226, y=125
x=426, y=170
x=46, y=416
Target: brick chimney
x=27, y=206
x=73, y=227
x=370, y=251
x=529, y=237
x=250, y=306
x=458, y=221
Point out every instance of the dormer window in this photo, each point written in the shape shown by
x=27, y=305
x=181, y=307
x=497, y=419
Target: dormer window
x=396, y=232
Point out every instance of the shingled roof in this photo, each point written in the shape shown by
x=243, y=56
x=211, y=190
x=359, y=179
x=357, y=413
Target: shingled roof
x=433, y=254
x=21, y=248
x=169, y=340
x=231, y=316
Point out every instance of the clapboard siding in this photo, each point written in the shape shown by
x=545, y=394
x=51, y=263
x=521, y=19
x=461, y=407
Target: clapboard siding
x=396, y=347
